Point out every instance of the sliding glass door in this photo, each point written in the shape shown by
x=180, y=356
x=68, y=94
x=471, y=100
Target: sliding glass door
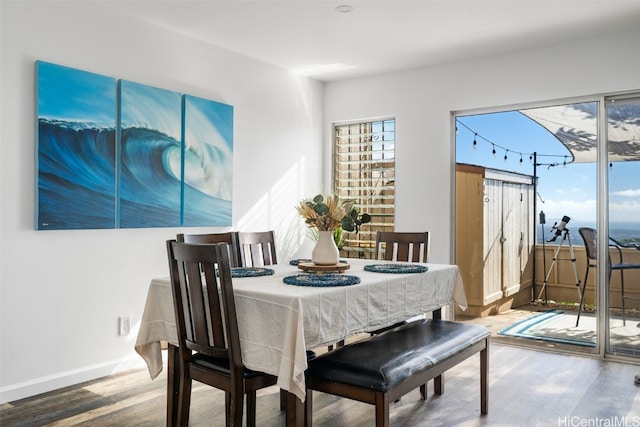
x=582, y=160
x=623, y=193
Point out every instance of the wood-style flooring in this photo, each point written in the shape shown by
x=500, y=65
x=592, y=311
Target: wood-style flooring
x=527, y=387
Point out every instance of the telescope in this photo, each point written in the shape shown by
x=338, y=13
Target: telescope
x=559, y=228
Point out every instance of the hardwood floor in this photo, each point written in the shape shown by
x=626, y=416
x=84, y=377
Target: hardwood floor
x=526, y=388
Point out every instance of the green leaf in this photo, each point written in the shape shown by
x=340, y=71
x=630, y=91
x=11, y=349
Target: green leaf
x=318, y=199
x=348, y=224
x=321, y=209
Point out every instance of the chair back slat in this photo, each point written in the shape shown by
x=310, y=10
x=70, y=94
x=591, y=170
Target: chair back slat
x=204, y=301
x=402, y=246
x=195, y=303
x=257, y=249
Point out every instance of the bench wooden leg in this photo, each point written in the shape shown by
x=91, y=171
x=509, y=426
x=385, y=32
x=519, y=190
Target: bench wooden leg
x=382, y=410
x=423, y=391
x=438, y=384
x=484, y=387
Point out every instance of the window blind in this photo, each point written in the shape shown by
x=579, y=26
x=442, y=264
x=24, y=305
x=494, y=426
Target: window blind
x=364, y=171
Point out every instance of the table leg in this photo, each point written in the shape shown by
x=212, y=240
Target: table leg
x=295, y=411
x=173, y=376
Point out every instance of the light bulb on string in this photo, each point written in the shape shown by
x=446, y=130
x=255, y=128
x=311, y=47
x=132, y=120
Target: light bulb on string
x=532, y=157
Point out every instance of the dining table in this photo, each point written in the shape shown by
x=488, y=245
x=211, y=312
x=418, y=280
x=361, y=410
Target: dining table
x=285, y=312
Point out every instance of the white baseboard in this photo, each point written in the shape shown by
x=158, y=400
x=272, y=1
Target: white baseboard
x=65, y=379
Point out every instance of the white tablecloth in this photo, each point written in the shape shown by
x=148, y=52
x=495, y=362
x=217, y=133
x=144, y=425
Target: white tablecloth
x=278, y=322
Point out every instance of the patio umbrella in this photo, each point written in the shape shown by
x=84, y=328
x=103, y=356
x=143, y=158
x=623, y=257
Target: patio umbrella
x=575, y=126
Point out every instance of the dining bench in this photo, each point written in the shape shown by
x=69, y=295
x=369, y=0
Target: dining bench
x=380, y=369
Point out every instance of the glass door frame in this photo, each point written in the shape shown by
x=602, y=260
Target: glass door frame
x=603, y=324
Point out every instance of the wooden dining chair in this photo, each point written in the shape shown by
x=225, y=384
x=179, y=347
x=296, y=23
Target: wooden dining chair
x=230, y=238
x=208, y=339
x=257, y=248
x=589, y=236
x=402, y=246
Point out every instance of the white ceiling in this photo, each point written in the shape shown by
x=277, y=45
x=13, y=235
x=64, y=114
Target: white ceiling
x=379, y=36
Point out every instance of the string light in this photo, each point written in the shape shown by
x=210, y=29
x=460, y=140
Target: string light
x=477, y=137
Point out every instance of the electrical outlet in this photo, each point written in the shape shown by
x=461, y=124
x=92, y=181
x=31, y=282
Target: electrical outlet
x=124, y=325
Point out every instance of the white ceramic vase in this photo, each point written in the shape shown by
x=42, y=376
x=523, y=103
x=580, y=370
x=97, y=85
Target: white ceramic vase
x=325, y=252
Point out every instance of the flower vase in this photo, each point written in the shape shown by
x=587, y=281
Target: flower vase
x=325, y=252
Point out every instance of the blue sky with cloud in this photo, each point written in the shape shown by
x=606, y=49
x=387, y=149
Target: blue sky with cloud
x=563, y=190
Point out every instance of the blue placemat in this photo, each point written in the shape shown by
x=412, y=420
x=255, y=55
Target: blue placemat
x=321, y=280
x=395, y=268
x=250, y=271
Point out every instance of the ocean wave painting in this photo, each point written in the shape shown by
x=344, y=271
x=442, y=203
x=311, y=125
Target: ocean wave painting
x=208, y=161
x=149, y=178
x=150, y=126
x=76, y=149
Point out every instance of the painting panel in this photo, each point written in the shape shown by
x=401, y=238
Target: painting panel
x=150, y=156
x=208, y=162
x=76, y=127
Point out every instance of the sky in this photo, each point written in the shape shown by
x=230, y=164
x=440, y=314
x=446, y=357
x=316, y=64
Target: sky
x=562, y=190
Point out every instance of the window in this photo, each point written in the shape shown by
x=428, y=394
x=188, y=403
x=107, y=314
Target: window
x=364, y=171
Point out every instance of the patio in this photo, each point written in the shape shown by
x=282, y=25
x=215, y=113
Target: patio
x=563, y=336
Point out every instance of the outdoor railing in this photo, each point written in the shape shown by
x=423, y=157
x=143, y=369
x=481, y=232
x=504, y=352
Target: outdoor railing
x=561, y=285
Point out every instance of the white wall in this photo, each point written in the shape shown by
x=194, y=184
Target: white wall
x=62, y=291
x=422, y=101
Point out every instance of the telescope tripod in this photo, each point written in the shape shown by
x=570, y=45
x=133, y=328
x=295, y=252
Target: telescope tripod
x=565, y=237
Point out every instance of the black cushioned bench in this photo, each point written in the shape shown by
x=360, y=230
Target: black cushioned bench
x=380, y=369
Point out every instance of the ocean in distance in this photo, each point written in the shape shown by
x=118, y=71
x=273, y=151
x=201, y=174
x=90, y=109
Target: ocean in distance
x=626, y=233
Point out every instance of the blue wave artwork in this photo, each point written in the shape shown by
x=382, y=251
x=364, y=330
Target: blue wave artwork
x=76, y=149
x=112, y=155
x=150, y=152
x=208, y=162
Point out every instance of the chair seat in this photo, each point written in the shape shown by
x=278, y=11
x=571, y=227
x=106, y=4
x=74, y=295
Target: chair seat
x=624, y=266
x=220, y=365
x=382, y=361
